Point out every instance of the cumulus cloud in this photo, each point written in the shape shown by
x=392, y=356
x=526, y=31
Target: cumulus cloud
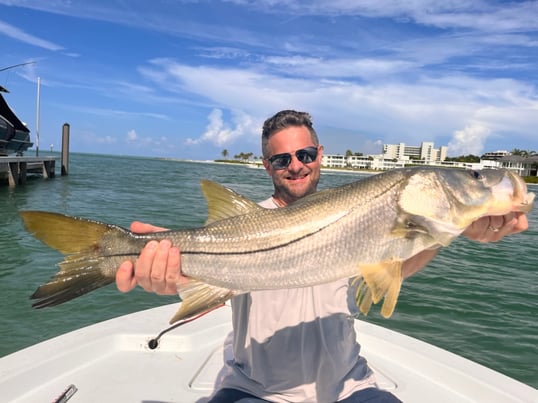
x=154, y=144
x=469, y=140
x=220, y=133
x=422, y=109
x=132, y=136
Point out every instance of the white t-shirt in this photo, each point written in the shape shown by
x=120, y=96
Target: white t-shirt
x=299, y=346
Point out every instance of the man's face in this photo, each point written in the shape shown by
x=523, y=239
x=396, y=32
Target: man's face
x=298, y=179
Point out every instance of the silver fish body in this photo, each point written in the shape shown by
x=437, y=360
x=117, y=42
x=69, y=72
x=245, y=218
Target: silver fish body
x=365, y=229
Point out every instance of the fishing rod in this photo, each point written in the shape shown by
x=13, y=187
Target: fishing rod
x=17, y=65
x=4, y=89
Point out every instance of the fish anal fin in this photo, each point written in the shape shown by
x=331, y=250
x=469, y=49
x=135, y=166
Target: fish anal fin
x=382, y=280
x=198, y=297
x=225, y=203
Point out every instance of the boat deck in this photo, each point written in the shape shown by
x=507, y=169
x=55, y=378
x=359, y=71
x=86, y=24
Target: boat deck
x=111, y=362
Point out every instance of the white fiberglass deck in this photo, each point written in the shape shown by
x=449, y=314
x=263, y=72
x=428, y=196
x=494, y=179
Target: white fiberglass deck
x=111, y=362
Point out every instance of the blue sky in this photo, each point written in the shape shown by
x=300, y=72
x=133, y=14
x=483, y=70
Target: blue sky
x=188, y=79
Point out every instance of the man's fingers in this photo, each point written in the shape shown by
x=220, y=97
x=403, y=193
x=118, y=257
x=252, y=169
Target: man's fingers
x=143, y=228
x=125, y=280
x=494, y=228
x=159, y=267
x=173, y=271
x=143, y=266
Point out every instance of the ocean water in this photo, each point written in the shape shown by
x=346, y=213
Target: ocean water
x=476, y=300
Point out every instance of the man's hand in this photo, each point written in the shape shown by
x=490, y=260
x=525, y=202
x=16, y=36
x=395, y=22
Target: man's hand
x=485, y=229
x=494, y=228
x=157, y=269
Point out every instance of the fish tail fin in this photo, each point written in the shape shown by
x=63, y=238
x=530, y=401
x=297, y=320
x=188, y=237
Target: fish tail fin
x=379, y=281
x=198, y=297
x=68, y=284
x=88, y=265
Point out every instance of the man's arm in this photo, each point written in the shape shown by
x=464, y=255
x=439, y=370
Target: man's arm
x=485, y=229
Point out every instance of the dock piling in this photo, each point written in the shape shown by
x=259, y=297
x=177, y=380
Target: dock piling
x=65, y=149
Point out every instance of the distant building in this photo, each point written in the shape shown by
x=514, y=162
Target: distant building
x=334, y=161
x=524, y=166
x=495, y=155
x=374, y=162
x=400, y=155
x=424, y=152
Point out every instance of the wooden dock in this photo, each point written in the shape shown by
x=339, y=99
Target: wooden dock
x=16, y=169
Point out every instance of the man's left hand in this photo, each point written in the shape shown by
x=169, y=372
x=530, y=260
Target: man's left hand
x=494, y=228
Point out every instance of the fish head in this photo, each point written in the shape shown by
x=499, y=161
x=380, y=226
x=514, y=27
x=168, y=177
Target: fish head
x=449, y=200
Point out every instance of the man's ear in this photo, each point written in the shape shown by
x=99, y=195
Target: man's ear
x=267, y=166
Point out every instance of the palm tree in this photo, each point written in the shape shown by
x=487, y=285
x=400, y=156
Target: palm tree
x=225, y=153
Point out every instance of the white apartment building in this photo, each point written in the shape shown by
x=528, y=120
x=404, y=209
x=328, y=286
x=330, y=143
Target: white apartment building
x=398, y=155
x=425, y=152
x=375, y=162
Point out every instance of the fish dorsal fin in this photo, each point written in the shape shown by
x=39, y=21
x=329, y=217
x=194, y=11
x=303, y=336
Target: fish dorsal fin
x=225, y=203
x=377, y=281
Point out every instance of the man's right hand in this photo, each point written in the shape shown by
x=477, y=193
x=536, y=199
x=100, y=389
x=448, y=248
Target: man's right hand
x=157, y=269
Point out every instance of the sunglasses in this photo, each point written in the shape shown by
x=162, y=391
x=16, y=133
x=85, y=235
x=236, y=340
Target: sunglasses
x=304, y=155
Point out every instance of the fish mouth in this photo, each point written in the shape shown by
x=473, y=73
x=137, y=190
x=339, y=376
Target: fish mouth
x=514, y=191
x=523, y=200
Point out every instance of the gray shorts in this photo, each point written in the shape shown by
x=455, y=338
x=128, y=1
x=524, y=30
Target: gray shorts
x=370, y=395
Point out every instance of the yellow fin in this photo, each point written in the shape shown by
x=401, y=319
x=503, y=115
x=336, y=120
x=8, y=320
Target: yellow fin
x=382, y=280
x=89, y=264
x=65, y=233
x=199, y=297
x=225, y=203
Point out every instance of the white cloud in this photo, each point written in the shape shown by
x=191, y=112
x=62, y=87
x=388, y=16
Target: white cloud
x=132, y=136
x=104, y=139
x=422, y=109
x=148, y=143
x=469, y=140
x=350, y=68
x=20, y=35
x=474, y=15
x=220, y=133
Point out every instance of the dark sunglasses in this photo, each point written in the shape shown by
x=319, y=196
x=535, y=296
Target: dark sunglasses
x=304, y=155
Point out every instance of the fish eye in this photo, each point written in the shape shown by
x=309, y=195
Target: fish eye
x=476, y=175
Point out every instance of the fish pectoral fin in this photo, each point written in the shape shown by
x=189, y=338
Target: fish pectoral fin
x=363, y=296
x=409, y=227
x=225, y=203
x=379, y=281
x=199, y=297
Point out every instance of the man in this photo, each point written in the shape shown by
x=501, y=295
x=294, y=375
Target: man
x=292, y=345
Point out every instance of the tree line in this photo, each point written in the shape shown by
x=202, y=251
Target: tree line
x=476, y=158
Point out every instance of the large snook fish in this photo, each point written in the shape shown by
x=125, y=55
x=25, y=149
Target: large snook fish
x=365, y=229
